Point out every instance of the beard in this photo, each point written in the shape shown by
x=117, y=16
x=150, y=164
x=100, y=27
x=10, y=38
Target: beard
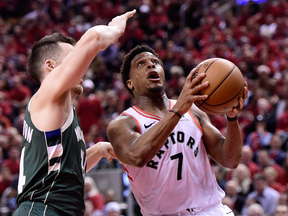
x=76, y=91
x=156, y=90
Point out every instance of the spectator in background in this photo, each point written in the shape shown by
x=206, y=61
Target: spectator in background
x=13, y=161
x=89, y=208
x=19, y=95
x=112, y=209
x=89, y=107
x=281, y=100
x=247, y=159
x=255, y=209
x=109, y=196
x=261, y=137
x=8, y=198
x=285, y=168
x=271, y=176
x=281, y=210
x=265, y=81
x=228, y=201
x=233, y=190
x=5, y=121
x=93, y=136
x=220, y=173
x=5, y=178
x=264, y=161
x=275, y=151
x=242, y=175
x=283, y=199
x=268, y=28
x=92, y=193
x=265, y=195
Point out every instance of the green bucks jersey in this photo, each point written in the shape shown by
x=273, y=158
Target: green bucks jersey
x=52, y=166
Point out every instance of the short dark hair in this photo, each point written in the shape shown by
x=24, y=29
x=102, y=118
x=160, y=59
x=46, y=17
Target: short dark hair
x=259, y=176
x=126, y=65
x=45, y=48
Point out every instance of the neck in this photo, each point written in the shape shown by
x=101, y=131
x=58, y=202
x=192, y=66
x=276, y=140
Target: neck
x=156, y=105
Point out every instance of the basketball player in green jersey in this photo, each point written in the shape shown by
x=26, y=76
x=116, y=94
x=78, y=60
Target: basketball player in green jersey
x=53, y=157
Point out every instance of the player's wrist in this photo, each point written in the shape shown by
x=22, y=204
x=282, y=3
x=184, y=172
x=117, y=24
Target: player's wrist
x=176, y=113
x=231, y=119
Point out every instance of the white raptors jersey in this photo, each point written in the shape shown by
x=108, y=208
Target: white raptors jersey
x=180, y=177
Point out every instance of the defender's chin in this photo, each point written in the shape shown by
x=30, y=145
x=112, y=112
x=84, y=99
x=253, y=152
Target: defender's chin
x=76, y=91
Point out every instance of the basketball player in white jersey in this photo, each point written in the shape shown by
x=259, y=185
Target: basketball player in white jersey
x=164, y=144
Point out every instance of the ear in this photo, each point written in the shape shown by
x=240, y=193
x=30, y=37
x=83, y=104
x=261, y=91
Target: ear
x=49, y=65
x=130, y=84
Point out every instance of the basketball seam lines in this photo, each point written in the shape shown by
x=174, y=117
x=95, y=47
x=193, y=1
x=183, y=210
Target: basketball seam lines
x=219, y=84
x=208, y=68
x=228, y=100
x=219, y=104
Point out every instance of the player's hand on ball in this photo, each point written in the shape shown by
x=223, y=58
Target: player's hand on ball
x=106, y=150
x=235, y=110
x=189, y=93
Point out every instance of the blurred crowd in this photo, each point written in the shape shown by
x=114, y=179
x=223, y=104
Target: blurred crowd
x=184, y=33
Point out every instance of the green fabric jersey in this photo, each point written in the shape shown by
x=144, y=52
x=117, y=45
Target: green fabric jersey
x=53, y=165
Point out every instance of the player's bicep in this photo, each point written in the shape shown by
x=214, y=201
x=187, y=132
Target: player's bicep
x=122, y=133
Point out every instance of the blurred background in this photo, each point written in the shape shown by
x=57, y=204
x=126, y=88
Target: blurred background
x=251, y=34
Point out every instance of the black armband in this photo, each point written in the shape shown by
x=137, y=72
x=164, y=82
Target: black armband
x=175, y=113
x=232, y=119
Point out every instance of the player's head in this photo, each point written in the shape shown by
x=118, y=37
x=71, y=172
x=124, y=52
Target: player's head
x=48, y=49
x=126, y=65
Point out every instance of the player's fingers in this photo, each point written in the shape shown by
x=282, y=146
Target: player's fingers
x=200, y=97
x=190, y=75
x=112, y=153
x=108, y=155
x=130, y=13
x=199, y=87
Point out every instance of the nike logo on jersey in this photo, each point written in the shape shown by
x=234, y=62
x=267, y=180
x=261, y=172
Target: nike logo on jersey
x=147, y=126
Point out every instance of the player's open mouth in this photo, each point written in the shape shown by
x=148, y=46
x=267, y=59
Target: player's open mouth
x=153, y=76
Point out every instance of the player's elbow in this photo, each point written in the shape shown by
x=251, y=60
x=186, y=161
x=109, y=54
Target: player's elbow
x=232, y=163
x=137, y=161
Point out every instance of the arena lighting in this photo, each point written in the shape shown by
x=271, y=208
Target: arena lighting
x=244, y=2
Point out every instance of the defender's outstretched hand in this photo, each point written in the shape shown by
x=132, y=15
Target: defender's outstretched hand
x=120, y=22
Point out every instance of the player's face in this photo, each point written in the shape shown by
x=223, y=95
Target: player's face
x=146, y=74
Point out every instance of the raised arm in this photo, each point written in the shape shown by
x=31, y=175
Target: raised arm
x=51, y=104
x=76, y=63
x=226, y=151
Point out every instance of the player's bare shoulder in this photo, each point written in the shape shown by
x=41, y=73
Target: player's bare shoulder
x=123, y=123
x=198, y=114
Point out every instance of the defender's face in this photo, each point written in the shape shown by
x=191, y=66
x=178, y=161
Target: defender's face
x=146, y=73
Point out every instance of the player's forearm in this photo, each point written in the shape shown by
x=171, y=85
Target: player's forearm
x=232, y=146
x=106, y=35
x=148, y=144
x=77, y=62
x=93, y=157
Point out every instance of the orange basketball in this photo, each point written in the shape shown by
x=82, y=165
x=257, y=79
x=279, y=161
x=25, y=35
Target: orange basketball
x=225, y=85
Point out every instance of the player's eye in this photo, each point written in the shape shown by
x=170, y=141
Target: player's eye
x=141, y=63
x=155, y=61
